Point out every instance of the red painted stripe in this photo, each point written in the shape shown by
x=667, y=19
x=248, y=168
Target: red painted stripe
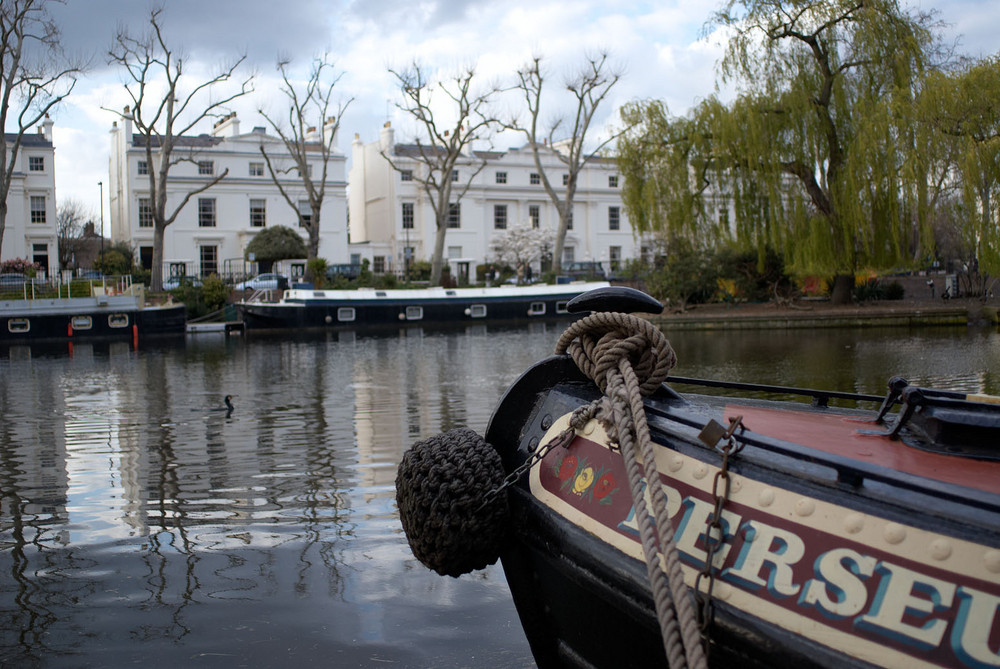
x=838, y=434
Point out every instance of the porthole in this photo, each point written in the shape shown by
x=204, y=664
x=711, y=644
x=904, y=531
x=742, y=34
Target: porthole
x=561, y=307
x=18, y=325
x=82, y=322
x=476, y=310
x=536, y=309
x=414, y=313
x=118, y=320
x=346, y=314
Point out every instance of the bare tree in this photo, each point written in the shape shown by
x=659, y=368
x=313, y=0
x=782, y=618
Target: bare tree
x=34, y=76
x=72, y=221
x=448, y=147
x=303, y=140
x=163, y=113
x=589, y=88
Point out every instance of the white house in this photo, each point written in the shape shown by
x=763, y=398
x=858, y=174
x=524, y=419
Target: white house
x=213, y=229
x=31, y=231
x=390, y=212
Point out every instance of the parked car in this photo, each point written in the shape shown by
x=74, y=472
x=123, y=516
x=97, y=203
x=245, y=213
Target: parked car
x=175, y=282
x=270, y=281
x=586, y=269
x=348, y=271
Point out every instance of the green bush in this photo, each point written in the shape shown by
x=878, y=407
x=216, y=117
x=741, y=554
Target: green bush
x=420, y=270
x=894, y=290
x=365, y=275
x=385, y=281
x=756, y=278
x=316, y=272
x=687, y=275
x=338, y=282
x=214, y=292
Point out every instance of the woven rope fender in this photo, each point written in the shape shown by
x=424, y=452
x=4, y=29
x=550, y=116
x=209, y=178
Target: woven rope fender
x=441, y=486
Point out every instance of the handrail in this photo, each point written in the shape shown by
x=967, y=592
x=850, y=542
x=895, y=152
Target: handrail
x=260, y=295
x=820, y=397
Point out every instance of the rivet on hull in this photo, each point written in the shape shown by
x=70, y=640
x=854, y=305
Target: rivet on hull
x=853, y=523
x=805, y=507
x=940, y=549
x=894, y=533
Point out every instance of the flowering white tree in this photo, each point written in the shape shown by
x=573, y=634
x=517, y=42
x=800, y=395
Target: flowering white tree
x=519, y=245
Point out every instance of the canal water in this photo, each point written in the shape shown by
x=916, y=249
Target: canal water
x=142, y=524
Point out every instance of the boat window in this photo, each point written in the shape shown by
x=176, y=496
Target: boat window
x=319, y=293
x=536, y=309
x=379, y=293
x=345, y=314
x=414, y=313
x=118, y=320
x=18, y=325
x=561, y=307
x=450, y=292
x=82, y=322
x=477, y=311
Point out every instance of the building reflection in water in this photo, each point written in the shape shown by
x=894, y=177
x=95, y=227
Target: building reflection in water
x=131, y=509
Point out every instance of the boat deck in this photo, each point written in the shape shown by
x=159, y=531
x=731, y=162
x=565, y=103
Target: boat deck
x=858, y=439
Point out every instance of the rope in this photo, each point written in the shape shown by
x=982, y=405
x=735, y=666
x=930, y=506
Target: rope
x=629, y=358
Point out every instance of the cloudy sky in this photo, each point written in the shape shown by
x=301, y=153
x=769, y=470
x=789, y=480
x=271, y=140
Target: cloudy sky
x=661, y=48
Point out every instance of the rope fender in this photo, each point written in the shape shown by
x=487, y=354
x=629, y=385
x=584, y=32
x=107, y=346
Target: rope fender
x=442, y=486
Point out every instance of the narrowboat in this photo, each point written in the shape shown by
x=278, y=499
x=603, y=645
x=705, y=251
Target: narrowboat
x=368, y=308
x=818, y=529
x=87, y=318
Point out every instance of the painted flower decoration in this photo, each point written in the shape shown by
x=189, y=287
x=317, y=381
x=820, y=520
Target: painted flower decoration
x=583, y=480
x=605, y=485
x=566, y=468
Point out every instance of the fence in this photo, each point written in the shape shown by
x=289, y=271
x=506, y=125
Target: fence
x=20, y=287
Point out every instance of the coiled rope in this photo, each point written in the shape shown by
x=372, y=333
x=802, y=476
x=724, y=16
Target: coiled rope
x=628, y=358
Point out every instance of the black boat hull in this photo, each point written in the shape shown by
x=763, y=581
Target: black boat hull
x=89, y=322
x=918, y=560
x=347, y=310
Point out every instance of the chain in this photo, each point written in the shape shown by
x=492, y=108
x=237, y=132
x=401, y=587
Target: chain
x=714, y=534
x=563, y=439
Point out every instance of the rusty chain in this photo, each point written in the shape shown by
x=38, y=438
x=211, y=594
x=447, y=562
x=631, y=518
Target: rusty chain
x=714, y=534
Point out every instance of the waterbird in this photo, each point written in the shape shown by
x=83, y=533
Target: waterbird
x=229, y=406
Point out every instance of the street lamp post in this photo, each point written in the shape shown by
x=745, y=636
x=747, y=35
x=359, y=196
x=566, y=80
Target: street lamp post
x=101, y=186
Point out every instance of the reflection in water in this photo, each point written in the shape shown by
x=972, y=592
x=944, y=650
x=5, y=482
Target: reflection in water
x=132, y=514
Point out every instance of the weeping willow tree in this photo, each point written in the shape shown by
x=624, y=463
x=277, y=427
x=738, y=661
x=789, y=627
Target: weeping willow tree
x=963, y=108
x=812, y=154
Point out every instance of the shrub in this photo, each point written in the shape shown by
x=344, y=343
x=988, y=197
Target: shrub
x=385, y=281
x=316, y=272
x=894, y=290
x=687, y=274
x=754, y=278
x=19, y=266
x=214, y=292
